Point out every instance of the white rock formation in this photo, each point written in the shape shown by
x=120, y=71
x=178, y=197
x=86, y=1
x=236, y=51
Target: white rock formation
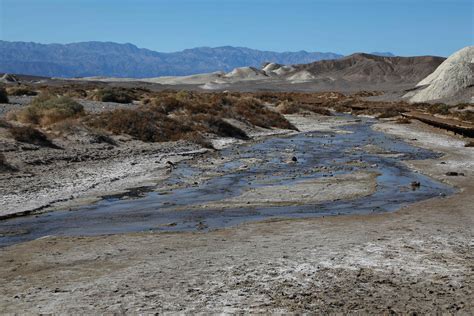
x=450, y=78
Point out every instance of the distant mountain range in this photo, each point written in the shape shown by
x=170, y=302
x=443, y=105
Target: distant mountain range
x=126, y=60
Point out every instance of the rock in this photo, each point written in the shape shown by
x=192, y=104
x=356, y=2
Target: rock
x=415, y=185
x=454, y=174
x=294, y=159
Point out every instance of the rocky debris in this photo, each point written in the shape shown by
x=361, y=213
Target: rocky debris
x=9, y=78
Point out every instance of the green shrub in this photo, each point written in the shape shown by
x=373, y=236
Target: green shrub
x=3, y=95
x=114, y=95
x=46, y=109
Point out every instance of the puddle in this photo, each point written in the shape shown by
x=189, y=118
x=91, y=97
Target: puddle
x=318, y=154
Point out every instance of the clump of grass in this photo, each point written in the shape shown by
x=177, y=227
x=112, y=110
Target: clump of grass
x=291, y=107
x=47, y=109
x=114, y=95
x=439, y=108
x=21, y=91
x=30, y=135
x=388, y=112
x=3, y=95
x=466, y=115
x=403, y=120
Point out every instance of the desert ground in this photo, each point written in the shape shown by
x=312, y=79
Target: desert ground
x=417, y=259
x=288, y=234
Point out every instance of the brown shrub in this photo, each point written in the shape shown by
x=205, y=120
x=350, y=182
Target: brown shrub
x=148, y=126
x=30, y=135
x=47, y=109
x=403, y=120
x=389, y=112
x=466, y=115
x=21, y=91
x=254, y=112
x=439, y=108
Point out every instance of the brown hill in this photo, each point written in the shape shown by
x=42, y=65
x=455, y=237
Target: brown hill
x=366, y=68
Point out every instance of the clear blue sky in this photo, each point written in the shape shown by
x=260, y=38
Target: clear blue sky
x=405, y=27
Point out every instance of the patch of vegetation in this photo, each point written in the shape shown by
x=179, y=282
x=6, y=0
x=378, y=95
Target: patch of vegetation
x=116, y=95
x=389, y=112
x=467, y=116
x=291, y=107
x=21, y=91
x=47, y=109
x=148, y=126
x=403, y=120
x=30, y=135
x=3, y=95
x=439, y=108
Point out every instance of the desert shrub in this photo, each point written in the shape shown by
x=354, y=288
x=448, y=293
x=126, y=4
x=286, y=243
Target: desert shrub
x=467, y=116
x=4, y=165
x=145, y=125
x=21, y=91
x=439, y=108
x=30, y=135
x=403, y=120
x=222, y=128
x=3, y=95
x=46, y=109
x=114, y=95
x=388, y=112
x=254, y=112
x=167, y=104
x=199, y=139
x=287, y=107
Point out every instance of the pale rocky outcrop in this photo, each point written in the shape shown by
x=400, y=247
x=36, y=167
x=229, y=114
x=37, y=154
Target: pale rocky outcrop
x=451, y=78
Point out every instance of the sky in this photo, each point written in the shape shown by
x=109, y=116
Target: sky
x=404, y=27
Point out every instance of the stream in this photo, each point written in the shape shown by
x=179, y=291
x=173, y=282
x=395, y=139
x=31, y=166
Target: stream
x=318, y=154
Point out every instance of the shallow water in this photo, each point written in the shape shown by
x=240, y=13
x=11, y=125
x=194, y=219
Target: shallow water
x=156, y=211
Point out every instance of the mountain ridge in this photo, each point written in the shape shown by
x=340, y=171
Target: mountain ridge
x=127, y=60
x=95, y=58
